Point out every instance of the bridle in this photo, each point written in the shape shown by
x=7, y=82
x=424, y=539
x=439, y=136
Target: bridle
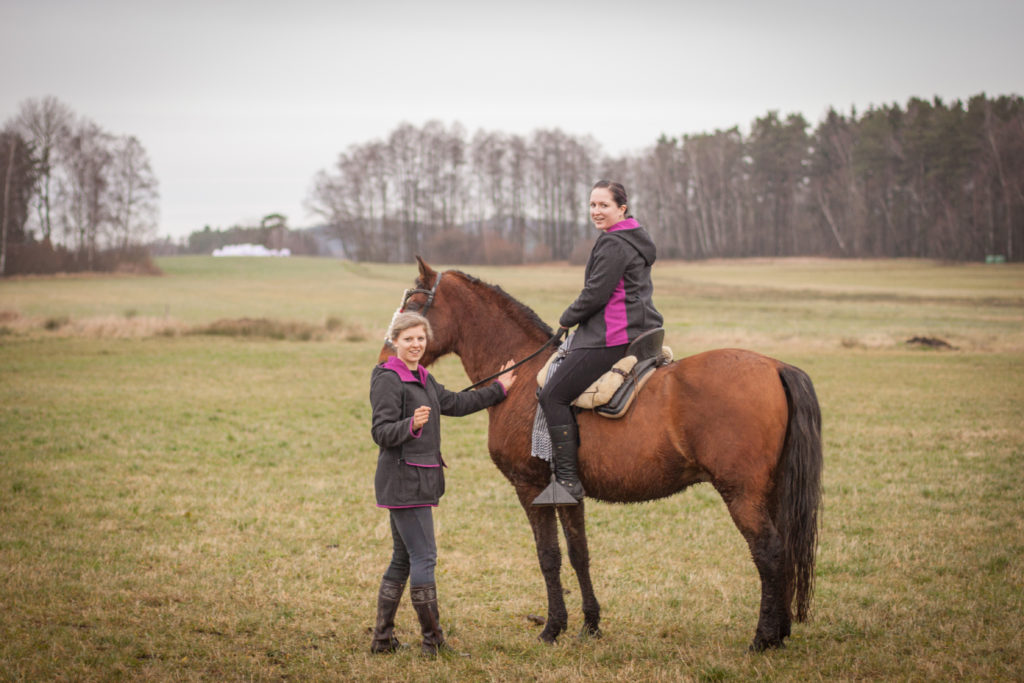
x=431, y=293
x=409, y=293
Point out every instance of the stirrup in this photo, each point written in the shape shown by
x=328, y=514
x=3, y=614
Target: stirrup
x=554, y=494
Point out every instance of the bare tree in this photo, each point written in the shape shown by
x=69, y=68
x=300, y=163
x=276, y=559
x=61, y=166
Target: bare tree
x=18, y=175
x=338, y=200
x=405, y=153
x=518, y=160
x=488, y=160
x=561, y=170
x=84, y=209
x=46, y=122
x=133, y=193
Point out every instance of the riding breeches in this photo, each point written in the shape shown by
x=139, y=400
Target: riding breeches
x=575, y=373
x=415, y=552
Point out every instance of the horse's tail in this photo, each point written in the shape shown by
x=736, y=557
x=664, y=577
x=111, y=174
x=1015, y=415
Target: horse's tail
x=798, y=494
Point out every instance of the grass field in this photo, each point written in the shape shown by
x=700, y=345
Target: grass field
x=179, y=505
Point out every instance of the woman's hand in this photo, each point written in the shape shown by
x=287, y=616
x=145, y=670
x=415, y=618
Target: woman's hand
x=507, y=379
x=420, y=417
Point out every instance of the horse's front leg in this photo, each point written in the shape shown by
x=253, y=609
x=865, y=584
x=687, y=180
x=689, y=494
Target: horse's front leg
x=545, y=535
x=574, y=524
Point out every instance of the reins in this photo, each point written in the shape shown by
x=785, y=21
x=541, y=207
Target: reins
x=430, y=293
x=555, y=337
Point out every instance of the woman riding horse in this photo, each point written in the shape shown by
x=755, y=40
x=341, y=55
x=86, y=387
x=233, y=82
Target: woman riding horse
x=613, y=309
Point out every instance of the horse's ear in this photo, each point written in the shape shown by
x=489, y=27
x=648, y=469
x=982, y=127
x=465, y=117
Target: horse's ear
x=425, y=271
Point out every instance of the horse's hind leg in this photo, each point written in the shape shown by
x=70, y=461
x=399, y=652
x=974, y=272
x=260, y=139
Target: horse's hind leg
x=574, y=524
x=765, y=545
x=545, y=535
x=774, y=622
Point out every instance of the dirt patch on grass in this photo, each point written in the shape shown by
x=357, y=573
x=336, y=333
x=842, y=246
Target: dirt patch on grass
x=930, y=343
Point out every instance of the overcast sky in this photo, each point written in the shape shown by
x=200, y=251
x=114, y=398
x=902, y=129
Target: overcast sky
x=239, y=104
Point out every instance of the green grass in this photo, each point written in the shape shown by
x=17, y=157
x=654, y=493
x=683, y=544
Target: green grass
x=193, y=507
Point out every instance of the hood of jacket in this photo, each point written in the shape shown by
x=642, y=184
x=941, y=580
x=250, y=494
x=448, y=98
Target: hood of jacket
x=638, y=238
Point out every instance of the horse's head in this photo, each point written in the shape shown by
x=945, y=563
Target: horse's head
x=424, y=298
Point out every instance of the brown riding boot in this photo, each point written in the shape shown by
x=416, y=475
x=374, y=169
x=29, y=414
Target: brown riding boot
x=424, y=601
x=388, y=597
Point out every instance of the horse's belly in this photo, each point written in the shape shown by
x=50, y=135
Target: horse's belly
x=619, y=465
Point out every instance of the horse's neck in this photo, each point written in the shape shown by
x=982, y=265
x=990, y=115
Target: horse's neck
x=488, y=338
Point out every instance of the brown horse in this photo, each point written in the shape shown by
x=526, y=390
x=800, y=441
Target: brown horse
x=748, y=424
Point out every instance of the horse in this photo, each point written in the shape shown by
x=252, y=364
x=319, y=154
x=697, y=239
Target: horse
x=747, y=424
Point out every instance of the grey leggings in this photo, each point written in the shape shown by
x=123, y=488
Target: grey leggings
x=415, y=552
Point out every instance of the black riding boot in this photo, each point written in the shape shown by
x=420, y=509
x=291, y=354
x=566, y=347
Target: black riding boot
x=388, y=597
x=565, y=487
x=424, y=601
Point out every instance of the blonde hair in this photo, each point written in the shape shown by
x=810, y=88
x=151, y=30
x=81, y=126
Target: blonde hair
x=403, y=321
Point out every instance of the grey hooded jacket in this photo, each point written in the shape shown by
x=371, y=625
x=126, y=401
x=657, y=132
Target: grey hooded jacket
x=616, y=305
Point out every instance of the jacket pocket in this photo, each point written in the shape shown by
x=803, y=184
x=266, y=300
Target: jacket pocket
x=418, y=483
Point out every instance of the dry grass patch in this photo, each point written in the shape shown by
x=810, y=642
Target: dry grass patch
x=261, y=327
x=128, y=326
x=134, y=326
x=333, y=328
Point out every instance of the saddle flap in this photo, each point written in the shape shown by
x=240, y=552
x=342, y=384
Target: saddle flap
x=604, y=387
x=542, y=374
x=619, y=403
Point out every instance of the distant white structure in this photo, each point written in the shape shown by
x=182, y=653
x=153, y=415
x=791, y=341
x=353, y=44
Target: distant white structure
x=250, y=250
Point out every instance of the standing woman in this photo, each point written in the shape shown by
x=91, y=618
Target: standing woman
x=613, y=309
x=407, y=406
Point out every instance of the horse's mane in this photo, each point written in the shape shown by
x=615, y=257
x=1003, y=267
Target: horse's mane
x=512, y=306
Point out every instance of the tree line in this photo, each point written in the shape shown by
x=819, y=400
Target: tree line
x=928, y=179
x=74, y=196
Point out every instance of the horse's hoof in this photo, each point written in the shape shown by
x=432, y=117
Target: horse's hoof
x=762, y=644
x=590, y=632
x=550, y=633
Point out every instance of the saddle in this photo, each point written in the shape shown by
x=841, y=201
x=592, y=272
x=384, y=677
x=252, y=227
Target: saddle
x=612, y=393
